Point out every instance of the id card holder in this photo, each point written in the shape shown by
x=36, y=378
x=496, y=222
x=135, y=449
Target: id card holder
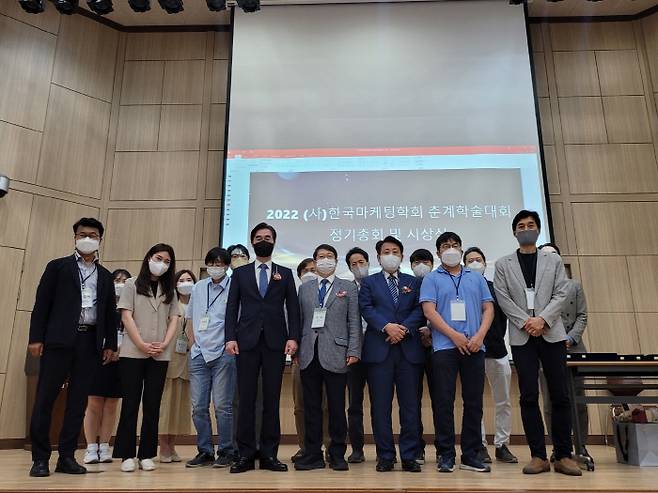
x=203, y=323
x=87, y=298
x=181, y=344
x=458, y=311
x=319, y=316
x=119, y=339
x=530, y=298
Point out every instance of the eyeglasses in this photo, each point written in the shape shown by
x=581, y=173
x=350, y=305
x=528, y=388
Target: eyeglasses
x=93, y=236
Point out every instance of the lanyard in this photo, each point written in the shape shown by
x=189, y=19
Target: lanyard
x=457, y=284
x=326, y=293
x=83, y=281
x=209, y=303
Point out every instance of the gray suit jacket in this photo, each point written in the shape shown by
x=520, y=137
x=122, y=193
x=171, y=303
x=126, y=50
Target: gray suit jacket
x=574, y=315
x=341, y=336
x=550, y=295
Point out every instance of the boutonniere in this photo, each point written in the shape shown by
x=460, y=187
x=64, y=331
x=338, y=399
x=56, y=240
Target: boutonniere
x=341, y=294
x=406, y=290
x=276, y=276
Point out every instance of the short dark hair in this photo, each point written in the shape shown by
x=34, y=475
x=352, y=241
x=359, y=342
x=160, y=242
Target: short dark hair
x=180, y=273
x=324, y=246
x=218, y=253
x=446, y=237
x=89, y=222
x=263, y=226
x=523, y=215
x=420, y=255
x=121, y=272
x=302, y=265
x=476, y=250
x=241, y=247
x=557, y=249
x=354, y=251
x=389, y=239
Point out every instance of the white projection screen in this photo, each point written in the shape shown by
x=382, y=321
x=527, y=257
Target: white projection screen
x=350, y=122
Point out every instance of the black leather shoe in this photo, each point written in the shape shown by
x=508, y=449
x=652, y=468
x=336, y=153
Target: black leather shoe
x=309, y=463
x=384, y=465
x=356, y=457
x=40, y=469
x=68, y=465
x=298, y=455
x=243, y=465
x=272, y=464
x=339, y=464
x=411, y=466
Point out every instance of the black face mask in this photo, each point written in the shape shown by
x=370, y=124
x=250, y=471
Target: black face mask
x=263, y=248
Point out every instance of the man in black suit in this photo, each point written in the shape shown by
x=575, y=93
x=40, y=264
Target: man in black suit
x=257, y=333
x=73, y=321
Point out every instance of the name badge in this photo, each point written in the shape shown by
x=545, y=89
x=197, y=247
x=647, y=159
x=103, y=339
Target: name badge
x=203, y=323
x=530, y=298
x=119, y=339
x=319, y=315
x=87, y=298
x=181, y=344
x=458, y=311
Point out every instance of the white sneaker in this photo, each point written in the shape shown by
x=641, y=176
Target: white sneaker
x=91, y=454
x=166, y=459
x=104, y=454
x=175, y=457
x=128, y=465
x=147, y=465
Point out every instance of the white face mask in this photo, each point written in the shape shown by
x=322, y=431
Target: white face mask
x=185, y=288
x=216, y=272
x=86, y=245
x=309, y=276
x=477, y=267
x=118, y=288
x=451, y=257
x=390, y=262
x=157, y=268
x=360, y=271
x=421, y=269
x=325, y=266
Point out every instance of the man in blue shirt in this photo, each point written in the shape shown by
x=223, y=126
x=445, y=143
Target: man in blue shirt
x=459, y=307
x=212, y=369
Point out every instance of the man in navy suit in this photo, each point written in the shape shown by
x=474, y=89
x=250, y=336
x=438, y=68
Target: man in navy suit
x=393, y=353
x=257, y=333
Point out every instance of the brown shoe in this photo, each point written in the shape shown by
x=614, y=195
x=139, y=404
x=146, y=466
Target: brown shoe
x=537, y=466
x=567, y=466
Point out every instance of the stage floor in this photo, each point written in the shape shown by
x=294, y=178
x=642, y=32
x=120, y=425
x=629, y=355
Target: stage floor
x=609, y=476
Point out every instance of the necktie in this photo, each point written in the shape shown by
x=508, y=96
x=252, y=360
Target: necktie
x=393, y=288
x=262, y=280
x=323, y=291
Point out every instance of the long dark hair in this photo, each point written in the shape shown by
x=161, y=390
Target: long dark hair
x=166, y=280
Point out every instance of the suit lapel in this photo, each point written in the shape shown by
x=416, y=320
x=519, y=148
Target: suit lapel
x=75, y=273
x=332, y=295
x=155, y=302
x=251, y=276
x=541, y=268
x=270, y=284
x=384, y=283
x=516, y=268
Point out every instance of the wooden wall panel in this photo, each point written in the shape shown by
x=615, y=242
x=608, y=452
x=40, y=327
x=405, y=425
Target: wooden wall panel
x=49, y=236
x=142, y=83
x=180, y=128
x=541, y=79
x=217, y=127
x=619, y=73
x=73, y=153
x=582, y=121
x=19, y=148
x=138, y=128
x=222, y=46
x=183, y=82
x=613, y=332
x=86, y=53
x=575, y=73
x=15, y=211
x=166, y=46
x=214, y=175
x=211, y=218
x=606, y=284
x=592, y=36
x=647, y=328
x=626, y=119
x=550, y=159
x=219, y=81
x=650, y=35
x=26, y=59
x=612, y=168
x=559, y=231
x=643, y=274
x=134, y=231
x=155, y=175
x=12, y=407
x=11, y=264
x=47, y=21
x=616, y=228
x=546, y=121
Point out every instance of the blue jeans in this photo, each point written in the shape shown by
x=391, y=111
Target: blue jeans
x=217, y=377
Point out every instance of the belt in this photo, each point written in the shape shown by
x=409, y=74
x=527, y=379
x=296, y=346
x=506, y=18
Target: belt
x=86, y=328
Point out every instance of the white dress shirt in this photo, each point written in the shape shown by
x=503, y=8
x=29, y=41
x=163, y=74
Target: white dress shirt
x=257, y=264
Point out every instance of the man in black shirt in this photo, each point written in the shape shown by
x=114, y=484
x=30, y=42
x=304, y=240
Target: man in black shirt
x=497, y=368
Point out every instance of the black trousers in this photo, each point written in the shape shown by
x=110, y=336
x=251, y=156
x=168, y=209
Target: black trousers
x=447, y=364
x=78, y=364
x=357, y=375
x=553, y=359
x=251, y=365
x=142, y=380
x=427, y=372
x=314, y=378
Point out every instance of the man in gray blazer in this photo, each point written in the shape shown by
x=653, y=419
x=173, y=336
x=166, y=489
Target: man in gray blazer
x=574, y=318
x=531, y=290
x=331, y=341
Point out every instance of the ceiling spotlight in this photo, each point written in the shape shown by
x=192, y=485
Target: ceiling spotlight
x=101, y=7
x=251, y=5
x=171, y=6
x=216, y=5
x=34, y=6
x=140, y=5
x=66, y=7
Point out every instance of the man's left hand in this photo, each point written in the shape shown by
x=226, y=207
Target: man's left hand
x=291, y=347
x=351, y=360
x=108, y=356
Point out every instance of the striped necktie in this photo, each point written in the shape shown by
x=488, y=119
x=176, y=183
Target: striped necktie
x=393, y=288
